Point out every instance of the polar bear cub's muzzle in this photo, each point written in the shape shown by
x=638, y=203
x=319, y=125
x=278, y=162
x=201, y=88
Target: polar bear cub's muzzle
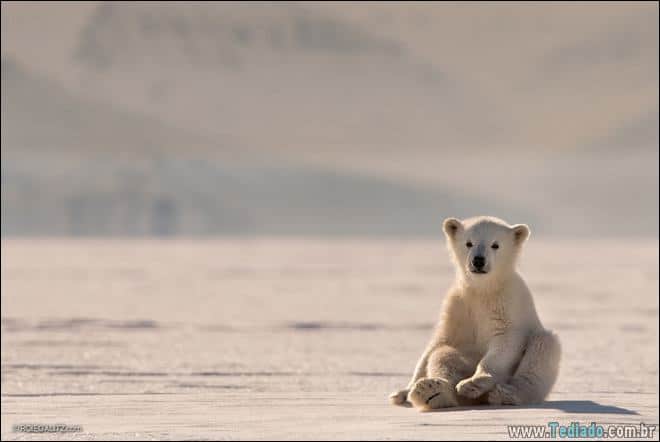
x=478, y=260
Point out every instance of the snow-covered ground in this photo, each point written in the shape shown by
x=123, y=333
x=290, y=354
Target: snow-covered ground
x=293, y=338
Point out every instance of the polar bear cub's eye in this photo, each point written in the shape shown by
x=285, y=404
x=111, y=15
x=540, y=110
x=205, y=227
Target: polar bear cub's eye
x=468, y=244
x=495, y=246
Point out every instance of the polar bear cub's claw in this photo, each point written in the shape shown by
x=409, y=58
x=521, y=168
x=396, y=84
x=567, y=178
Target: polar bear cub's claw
x=431, y=393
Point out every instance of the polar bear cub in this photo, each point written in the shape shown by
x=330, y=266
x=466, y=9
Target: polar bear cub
x=489, y=346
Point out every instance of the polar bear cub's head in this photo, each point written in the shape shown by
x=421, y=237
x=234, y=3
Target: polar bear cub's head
x=484, y=248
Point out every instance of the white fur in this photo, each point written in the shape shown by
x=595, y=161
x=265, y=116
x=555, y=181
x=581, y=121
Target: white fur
x=489, y=346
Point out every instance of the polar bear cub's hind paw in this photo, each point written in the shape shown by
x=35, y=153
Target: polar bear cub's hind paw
x=474, y=387
x=432, y=393
x=504, y=394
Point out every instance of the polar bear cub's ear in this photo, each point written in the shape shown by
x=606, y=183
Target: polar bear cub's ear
x=451, y=227
x=520, y=233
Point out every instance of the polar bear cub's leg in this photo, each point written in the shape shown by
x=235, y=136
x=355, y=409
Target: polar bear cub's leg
x=535, y=375
x=446, y=367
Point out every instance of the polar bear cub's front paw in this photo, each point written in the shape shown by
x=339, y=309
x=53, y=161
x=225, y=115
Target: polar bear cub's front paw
x=431, y=393
x=475, y=386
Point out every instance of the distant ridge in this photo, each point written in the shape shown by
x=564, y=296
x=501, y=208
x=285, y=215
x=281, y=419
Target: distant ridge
x=79, y=167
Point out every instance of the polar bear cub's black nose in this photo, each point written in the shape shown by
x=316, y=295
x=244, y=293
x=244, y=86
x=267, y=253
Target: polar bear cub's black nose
x=479, y=262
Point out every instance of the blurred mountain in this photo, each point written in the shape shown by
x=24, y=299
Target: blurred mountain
x=104, y=195
x=326, y=117
x=280, y=76
x=207, y=35
x=638, y=133
x=328, y=80
x=560, y=75
x=38, y=114
x=78, y=167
